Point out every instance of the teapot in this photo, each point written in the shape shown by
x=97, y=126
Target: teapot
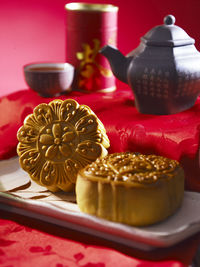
x=163, y=71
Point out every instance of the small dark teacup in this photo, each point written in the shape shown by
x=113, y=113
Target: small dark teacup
x=49, y=79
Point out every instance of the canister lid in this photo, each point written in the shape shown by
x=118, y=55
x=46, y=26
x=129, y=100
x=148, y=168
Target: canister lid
x=91, y=17
x=167, y=34
x=91, y=7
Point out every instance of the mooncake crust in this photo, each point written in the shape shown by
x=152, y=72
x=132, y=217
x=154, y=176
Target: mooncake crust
x=131, y=188
x=58, y=140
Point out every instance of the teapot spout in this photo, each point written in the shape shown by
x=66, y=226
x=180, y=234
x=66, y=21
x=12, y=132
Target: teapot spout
x=118, y=62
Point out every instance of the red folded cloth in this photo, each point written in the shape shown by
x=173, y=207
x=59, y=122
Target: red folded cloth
x=174, y=136
x=22, y=245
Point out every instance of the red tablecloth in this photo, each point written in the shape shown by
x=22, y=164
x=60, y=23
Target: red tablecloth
x=175, y=136
x=25, y=242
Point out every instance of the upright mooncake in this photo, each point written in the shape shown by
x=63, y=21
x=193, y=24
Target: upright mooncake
x=131, y=188
x=58, y=140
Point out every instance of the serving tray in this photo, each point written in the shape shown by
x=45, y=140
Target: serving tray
x=20, y=195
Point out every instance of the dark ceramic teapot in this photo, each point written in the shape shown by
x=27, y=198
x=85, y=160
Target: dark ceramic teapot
x=163, y=71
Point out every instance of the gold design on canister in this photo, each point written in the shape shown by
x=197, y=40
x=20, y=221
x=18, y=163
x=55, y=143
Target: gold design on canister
x=112, y=39
x=89, y=69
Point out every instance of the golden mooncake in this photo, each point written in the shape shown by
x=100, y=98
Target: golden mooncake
x=58, y=140
x=131, y=188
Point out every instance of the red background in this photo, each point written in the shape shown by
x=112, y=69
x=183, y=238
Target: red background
x=34, y=30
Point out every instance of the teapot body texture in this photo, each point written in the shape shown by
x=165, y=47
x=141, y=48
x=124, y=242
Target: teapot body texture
x=165, y=81
x=163, y=71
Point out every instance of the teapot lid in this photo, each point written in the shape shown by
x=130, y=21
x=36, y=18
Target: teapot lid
x=167, y=34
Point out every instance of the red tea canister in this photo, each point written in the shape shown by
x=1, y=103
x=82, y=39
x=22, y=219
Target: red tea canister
x=89, y=28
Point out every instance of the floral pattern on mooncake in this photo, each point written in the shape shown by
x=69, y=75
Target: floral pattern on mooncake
x=58, y=140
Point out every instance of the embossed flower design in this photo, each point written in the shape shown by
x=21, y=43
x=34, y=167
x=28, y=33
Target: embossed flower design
x=58, y=140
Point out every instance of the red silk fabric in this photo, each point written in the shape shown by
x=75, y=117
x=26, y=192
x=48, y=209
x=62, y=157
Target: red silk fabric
x=22, y=245
x=175, y=136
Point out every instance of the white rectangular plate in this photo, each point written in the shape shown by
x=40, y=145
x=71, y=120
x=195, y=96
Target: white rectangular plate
x=20, y=195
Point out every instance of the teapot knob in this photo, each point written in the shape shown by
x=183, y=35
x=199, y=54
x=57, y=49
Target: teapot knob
x=169, y=20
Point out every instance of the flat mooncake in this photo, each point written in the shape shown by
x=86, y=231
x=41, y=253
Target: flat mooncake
x=131, y=188
x=58, y=140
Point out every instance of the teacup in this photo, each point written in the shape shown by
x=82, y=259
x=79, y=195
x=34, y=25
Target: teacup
x=49, y=79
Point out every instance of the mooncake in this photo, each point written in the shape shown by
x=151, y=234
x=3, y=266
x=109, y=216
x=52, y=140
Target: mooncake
x=57, y=140
x=131, y=188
